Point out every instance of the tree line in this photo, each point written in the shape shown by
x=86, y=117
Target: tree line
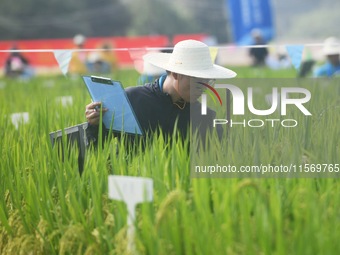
x=41, y=19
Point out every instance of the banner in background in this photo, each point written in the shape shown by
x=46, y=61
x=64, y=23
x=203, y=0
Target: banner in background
x=246, y=15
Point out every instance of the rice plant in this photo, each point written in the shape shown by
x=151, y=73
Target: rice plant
x=47, y=207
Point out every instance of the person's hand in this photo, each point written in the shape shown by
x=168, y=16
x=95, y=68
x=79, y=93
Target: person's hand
x=92, y=112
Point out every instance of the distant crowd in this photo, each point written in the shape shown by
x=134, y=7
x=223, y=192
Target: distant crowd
x=104, y=61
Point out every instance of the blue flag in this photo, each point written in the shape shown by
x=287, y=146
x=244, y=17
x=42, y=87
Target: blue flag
x=246, y=15
x=295, y=54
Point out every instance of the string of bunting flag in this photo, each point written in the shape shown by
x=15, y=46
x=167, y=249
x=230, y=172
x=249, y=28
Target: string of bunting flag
x=63, y=56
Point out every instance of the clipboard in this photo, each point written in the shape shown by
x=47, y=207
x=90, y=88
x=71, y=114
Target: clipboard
x=120, y=116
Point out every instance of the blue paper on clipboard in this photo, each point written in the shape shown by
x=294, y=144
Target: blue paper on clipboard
x=120, y=115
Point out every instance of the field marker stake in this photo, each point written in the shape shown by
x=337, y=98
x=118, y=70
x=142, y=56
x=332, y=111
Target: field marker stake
x=132, y=191
x=19, y=118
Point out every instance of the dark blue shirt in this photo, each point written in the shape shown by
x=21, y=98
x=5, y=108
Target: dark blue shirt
x=155, y=110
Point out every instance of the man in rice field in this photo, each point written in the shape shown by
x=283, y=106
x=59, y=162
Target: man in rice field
x=331, y=50
x=170, y=101
x=18, y=66
x=258, y=54
x=79, y=58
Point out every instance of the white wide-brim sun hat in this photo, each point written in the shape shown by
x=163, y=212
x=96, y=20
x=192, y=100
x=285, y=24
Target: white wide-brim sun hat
x=149, y=69
x=331, y=46
x=191, y=58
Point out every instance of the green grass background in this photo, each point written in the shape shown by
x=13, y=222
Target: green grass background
x=46, y=207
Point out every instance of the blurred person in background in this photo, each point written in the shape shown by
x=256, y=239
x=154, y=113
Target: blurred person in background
x=103, y=61
x=79, y=59
x=17, y=65
x=108, y=58
x=258, y=54
x=331, y=51
x=149, y=73
x=278, y=59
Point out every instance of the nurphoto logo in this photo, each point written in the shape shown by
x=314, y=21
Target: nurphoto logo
x=280, y=98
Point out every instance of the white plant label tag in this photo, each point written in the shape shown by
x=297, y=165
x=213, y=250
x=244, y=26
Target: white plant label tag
x=132, y=191
x=19, y=118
